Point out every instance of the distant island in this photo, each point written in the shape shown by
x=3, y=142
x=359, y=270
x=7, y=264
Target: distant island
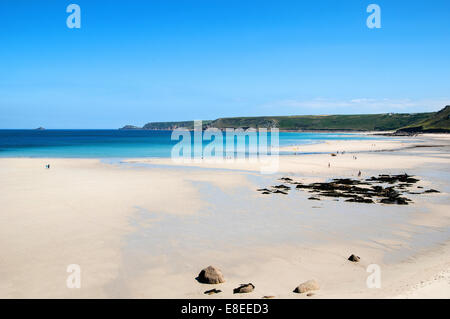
x=402, y=123
x=40, y=128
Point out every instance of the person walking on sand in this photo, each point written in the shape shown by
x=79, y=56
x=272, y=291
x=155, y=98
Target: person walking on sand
x=359, y=174
x=328, y=165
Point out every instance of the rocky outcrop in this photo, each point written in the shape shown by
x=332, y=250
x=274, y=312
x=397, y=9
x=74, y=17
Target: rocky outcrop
x=369, y=191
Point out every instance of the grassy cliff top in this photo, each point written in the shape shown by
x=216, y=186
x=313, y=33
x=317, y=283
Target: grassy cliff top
x=438, y=122
x=359, y=122
x=407, y=122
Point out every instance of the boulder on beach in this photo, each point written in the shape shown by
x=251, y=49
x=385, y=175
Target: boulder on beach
x=354, y=258
x=244, y=288
x=307, y=286
x=210, y=275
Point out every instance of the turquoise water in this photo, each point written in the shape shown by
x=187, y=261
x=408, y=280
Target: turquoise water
x=123, y=143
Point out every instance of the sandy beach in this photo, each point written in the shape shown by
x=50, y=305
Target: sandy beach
x=144, y=228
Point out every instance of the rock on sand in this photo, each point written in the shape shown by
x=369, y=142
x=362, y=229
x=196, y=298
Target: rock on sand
x=307, y=286
x=210, y=275
x=212, y=291
x=244, y=288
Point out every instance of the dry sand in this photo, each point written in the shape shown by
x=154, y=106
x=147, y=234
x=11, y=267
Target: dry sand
x=144, y=228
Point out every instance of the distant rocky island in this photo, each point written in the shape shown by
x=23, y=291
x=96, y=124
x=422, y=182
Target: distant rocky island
x=40, y=128
x=131, y=127
x=402, y=123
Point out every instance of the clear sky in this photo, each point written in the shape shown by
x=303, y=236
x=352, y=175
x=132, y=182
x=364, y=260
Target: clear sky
x=133, y=62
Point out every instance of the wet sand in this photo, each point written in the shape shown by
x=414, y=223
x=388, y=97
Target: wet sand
x=144, y=228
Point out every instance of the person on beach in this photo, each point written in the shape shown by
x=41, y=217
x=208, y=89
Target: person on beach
x=359, y=174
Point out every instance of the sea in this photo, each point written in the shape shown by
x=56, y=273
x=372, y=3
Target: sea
x=131, y=143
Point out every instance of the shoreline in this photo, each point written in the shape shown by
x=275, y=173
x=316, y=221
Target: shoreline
x=128, y=226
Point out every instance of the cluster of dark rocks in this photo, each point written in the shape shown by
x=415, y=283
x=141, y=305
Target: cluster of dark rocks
x=385, y=189
x=277, y=189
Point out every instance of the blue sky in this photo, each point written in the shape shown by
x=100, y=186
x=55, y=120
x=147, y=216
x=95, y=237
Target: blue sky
x=138, y=61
